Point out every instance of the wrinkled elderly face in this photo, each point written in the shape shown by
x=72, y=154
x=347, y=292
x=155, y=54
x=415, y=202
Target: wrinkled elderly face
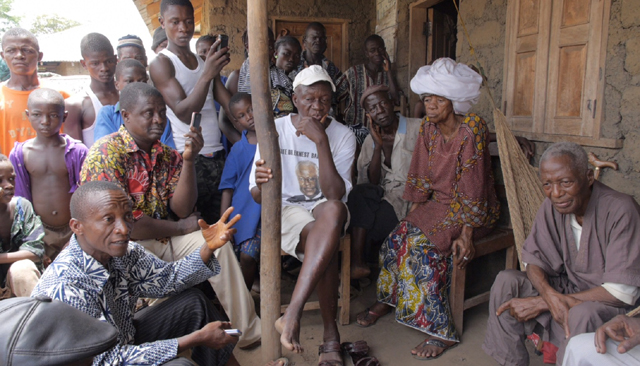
x=568, y=190
x=380, y=108
x=438, y=108
x=314, y=100
x=308, y=180
x=315, y=40
x=147, y=120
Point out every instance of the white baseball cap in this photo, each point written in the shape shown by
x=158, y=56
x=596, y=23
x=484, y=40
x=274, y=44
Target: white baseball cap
x=312, y=75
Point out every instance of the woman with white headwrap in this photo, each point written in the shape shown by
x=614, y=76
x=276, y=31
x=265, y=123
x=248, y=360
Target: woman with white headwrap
x=454, y=203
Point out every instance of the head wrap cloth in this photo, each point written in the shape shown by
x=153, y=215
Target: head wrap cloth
x=454, y=81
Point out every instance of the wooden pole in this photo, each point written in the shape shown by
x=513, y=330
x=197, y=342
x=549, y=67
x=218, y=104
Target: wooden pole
x=272, y=191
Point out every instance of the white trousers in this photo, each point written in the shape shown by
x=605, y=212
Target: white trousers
x=581, y=351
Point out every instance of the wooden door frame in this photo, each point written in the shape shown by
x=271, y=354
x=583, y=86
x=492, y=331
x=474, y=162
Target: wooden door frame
x=417, y=41
x=345, y=32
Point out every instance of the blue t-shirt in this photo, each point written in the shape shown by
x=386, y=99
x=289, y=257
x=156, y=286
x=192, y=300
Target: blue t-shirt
x=235, y=175
x=109, y=120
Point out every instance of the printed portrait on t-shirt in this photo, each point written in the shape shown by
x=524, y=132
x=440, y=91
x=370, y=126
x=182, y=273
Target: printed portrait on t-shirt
x=307, y=174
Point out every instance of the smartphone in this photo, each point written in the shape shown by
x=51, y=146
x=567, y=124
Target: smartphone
x=233, y=332
x=195, y=119
x=224, y=41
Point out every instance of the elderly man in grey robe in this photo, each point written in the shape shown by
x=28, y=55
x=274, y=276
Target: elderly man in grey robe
x=582, y=259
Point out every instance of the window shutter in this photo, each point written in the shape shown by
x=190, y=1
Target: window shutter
x=574, y=94
x=527, y=51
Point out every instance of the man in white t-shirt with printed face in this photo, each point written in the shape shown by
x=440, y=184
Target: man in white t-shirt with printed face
x=317, y=154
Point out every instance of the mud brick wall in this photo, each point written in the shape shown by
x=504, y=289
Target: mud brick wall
x=230, y=17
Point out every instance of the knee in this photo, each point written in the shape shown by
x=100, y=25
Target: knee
x=23, y=266
x=586, y=316
x=335, y=211
x=507, y=279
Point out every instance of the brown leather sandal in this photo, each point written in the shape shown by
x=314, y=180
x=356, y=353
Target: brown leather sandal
x=330, y=347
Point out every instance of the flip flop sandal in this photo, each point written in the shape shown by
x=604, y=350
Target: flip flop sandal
x=285, y=361
x=369, y=313
x=330, y=347
x=437, y=343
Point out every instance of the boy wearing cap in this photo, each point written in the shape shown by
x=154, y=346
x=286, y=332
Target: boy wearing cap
x=317, y=154
x=130, y=46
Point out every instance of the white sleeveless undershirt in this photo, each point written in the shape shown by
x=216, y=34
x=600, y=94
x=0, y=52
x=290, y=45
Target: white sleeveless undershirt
x=87, y=133
x=209, y=122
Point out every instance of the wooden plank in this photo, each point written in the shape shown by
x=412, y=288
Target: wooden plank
x=153, y=9
x=477, y=300
x=580, y=140
x=417, y=49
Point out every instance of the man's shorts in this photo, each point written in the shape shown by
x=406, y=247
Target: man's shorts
x=55, y=239
x=294, y=219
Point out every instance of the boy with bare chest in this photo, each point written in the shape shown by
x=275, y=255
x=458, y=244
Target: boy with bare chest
x=48, y=168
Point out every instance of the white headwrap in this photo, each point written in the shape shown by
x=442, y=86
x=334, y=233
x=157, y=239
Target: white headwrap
x=454, y=81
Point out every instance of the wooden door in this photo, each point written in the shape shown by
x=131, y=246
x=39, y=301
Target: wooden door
x=526, y=64
x=441, y=32
x=574, y=67
x=336, y=36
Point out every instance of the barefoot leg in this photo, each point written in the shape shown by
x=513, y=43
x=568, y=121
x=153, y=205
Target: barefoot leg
x=358, y=268
x=371, y=315
x=426, y=350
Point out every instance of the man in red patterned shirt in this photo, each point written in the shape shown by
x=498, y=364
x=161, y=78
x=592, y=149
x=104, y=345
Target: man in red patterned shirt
x=162, y=186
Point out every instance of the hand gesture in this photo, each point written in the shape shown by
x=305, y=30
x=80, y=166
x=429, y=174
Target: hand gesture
x=386, y=63
x=522, y=309
x=463, y=250
x=310, y=127
x=214, y=336
x=527, y=147
x=221, y=232
x=621, y=329
x=263, y=174
x=216, y=60
x=375, y=132
x=559, y=306
x=193, y=143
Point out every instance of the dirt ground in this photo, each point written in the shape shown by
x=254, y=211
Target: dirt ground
x=390, y=342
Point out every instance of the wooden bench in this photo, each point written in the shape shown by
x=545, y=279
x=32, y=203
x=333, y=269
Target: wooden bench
x=500, y=239
x=344, y=300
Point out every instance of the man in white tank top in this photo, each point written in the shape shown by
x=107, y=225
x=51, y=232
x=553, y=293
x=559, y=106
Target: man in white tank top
x=189, y=84
x=100, y=61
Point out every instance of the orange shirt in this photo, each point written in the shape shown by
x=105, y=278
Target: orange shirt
x=14, y=125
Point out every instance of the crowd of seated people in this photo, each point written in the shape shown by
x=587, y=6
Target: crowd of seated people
x=113, y=195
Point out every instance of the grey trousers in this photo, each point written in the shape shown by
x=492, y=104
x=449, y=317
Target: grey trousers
x=180, y=315
x=505, y=337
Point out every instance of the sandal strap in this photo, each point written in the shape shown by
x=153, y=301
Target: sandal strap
x=436, y=342
x=368, y=361
x=329, y=347
x=360, y=348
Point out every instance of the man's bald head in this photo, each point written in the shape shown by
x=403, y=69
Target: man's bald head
x=83, y=199
x=45, y=96
x=20, y=33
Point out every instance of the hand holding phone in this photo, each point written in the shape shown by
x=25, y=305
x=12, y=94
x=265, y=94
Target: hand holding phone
x=224, y=41
x=195, y=119
x=233, y=332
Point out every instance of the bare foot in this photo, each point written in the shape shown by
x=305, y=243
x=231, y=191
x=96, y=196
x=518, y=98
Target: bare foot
x=282, y=361
x=371, y=315
x=358, y=272
x=432, y=348
x=289, y=334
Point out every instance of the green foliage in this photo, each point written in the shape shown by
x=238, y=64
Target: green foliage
x=48, y=24
x=7, y=21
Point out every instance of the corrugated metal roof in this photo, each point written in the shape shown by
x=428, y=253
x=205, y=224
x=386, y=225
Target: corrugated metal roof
x=65, y=46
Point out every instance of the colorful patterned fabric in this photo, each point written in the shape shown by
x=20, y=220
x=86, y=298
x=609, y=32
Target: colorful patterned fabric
x=415, y=279
x=110, y=294
x=351, y=86
x=281, y=103
x=26, y=233
x=251, y=247
x=453, y=181
x=148, y=179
